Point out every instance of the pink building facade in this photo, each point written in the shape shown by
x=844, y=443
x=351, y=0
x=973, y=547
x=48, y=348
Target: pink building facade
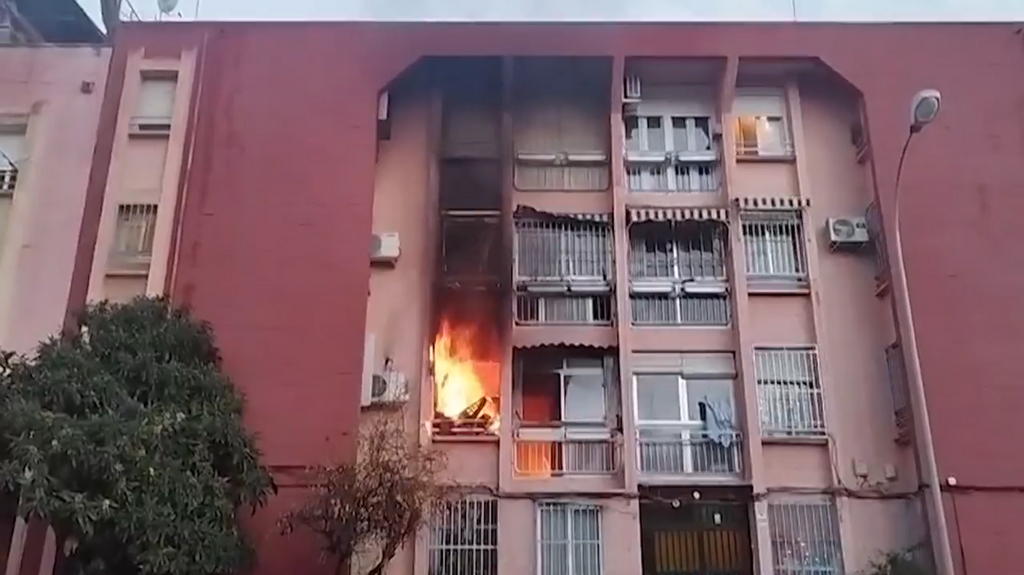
x=632, y=279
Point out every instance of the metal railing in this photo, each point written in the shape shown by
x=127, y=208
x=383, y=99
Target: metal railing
x=677, y=250
x=535, y=309
x=651, y=309
x=773, y=245
x=805, y=538
x=536, y=457
x=464, y=538
x=563, y=249
x=133, y=237
x=789, y=391
x=8, y=180
x=681, y=450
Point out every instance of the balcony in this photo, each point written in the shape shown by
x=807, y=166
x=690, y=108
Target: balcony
x=565, y=452
x=670, y=451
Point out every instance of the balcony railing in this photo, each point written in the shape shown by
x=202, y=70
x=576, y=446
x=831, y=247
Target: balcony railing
x=681, y=450
x=554, y=453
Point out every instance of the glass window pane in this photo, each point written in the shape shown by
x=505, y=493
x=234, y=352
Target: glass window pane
x=655, y=134
x=680, y=139
x=770, y=133
x=632, y=133
x=584, y=398
x=658, y=397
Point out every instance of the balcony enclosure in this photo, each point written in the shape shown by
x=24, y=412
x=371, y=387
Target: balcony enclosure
x=685, y=413
x=677, y=272
x=563, y=269
x=566, y=413
x=789, y=391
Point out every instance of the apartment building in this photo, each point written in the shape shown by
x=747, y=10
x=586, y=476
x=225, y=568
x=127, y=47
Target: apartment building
x=52, y=73
x=631, y=278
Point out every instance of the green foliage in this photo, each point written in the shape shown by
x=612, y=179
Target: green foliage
x=902, y=562
x=129, y=440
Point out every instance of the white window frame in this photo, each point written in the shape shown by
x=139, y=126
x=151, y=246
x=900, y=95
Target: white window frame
x=567, y=507
x=566, y=372
x=763, y=106
x=687, y=425
x=672, y=154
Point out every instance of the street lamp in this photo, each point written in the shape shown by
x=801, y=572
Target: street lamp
x=924, y=109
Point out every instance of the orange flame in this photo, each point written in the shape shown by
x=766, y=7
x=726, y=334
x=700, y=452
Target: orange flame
x=461, y=376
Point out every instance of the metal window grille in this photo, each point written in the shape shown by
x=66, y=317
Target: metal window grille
x=133, y=236
x=897, y=374
x=773, y=243
x=677, y=252
x=464, y=538
x=805, y=538
x=563, y=249
x=789, y=391
x=569, y=539
x=679, y=159
x=684, y=177
x=8, y=179
x=532, y=309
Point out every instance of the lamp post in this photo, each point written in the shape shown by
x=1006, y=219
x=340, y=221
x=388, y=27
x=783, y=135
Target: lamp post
x=923, y=110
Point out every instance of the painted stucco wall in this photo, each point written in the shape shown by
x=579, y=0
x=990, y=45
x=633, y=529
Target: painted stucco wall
x=276, y=225
x=60, y=91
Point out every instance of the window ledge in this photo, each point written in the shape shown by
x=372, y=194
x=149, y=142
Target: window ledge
x=786, y=158
x=6, y=193
x=129, y=273
x=795, y=439
x=763, y=287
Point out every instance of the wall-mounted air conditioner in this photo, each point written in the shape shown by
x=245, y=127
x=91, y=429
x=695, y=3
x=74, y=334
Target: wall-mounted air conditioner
x=849, y=232
x=382, y=382
x=385, y=248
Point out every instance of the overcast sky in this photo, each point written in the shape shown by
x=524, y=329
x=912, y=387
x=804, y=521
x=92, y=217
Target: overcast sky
x=582, y=10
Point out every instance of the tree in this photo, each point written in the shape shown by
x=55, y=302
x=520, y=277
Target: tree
x=375, y=502
x=128, y=439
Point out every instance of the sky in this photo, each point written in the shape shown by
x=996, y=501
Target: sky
x=584, y=10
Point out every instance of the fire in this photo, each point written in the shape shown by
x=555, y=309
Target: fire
x=465, y=384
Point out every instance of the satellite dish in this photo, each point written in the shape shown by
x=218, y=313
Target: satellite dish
x=166, y=6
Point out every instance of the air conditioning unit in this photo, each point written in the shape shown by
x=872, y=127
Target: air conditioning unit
x=849, y=232
x=631, y=89
x=382, y=383
x=385, y=248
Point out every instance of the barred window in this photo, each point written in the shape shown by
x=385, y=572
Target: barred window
x=540, y=309
x=774, y=245
x=569, y=539
x=671, y=152
x=789, y=391
x=678, y=273
x=133, y=236
x=563, y=248
x=896, y=370
x=805, y=538
x=464, y=538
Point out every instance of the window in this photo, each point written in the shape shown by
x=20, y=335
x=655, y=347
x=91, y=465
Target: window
x=762, y=129
x=789, y=391
x=569, y=391
x=563, y=269
x=877, y=234
x=678, y=273
x=896, y=371
x=563, y=248
x=569, y=539
x=12, y=153
x=805, y=538
x=773, y=243
x=686, y=416
x=133, y=235
x=155, y=105
x=464, y=538
x=671, y=148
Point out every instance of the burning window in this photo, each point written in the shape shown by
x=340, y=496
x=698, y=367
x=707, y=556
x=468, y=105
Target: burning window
x=466, y=374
